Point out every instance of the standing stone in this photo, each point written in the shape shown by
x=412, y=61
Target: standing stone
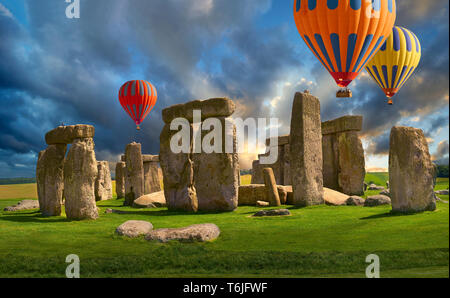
x=351, y=163
x=80, y=173
x=411, y=171
x=134, y=178
x=271, y=187
x=257, y=177
x=151, y=177
x=287, y=166
x=216, y=175
x=103, y=184
x=120, y=179
x=50, y=179
x=306, y=151
x=178, y=175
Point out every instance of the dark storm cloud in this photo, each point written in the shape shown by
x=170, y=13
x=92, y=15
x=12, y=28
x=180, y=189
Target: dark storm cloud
x=442, y=152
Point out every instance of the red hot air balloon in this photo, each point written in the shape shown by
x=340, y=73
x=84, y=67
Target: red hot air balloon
x=137, y=98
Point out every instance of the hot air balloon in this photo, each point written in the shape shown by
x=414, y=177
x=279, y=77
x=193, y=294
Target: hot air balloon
x=395, y=62
x=137, y=99
x=344, y=34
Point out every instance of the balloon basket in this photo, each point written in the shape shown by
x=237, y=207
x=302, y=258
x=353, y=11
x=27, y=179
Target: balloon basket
x=138, y=128
x=390, y=102
x=344, y=93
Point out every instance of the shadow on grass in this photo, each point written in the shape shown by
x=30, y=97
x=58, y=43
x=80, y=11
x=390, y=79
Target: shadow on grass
x=388, y=214
x=32, y=217
x=163, y=212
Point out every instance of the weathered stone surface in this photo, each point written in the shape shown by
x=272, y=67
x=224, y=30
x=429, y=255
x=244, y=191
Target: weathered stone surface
x=334, y=198
x=120, y=179
x=153, y=200
x=282, y=140
x=50, y=179
x=330, y=155
x=216, y=175
x=150, y=158
x=23, y=205
x=377, y=200
x=151, y=177
x=66, y=134
x=306, y=151
x=342, y=124
x=385, y=192
x=278, y=212
x=80, y=172
x=262, y=204
x=193, y=233
x=277, y=167
x=411, y=171
x=271, y=187
x=257, y=177
x=287, y=166
x=355, y=201
x=351, y=163
x=178, y=175
x=214, y=107
x=250, y=194
x=109, y=210
x=134, y=178
x=103, y=184
x=134, y=228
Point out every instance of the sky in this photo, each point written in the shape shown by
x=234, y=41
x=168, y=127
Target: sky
x=57, y=70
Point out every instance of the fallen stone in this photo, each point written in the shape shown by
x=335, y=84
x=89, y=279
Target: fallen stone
x=377, y=200
x=214, y=107
x=334, y=198
x=262, y=204
x=306, y=151
x=50, y=179
x=109, y=211
x=153, y=200
x=134, y=228
x=23, y=205
x=411, y=171
x=385, y=193
x=355, y=201
x=375, y=187
x=443, y=192
x=193, y=233
x=80, y=172
x=66, y=134
x=278, y=212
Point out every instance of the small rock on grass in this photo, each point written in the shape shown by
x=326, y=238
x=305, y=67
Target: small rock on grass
x=193, y=233
x=134, y=228
x=277, y=212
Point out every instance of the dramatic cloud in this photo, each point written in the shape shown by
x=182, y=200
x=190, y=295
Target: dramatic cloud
x=441, y=155
x=55, y=69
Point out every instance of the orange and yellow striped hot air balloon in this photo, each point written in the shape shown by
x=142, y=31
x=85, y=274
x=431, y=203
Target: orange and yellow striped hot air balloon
x=137, y=99
x=344, y=34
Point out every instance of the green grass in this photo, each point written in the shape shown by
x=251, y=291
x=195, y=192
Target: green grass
x=319, y=241
x=377, y=178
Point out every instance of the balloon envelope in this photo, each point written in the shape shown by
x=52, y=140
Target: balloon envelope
x=344, y=34
x=137, y=98
x=395, y=62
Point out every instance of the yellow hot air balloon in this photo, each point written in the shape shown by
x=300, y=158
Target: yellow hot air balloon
x=395, y=62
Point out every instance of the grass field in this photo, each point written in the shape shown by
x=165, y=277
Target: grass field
x=320, y=241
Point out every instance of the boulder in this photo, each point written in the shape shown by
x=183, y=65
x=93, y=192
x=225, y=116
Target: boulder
x=377, y=200
x=23, y=205
x=50, y=179
x=343, y=124
x=134, y=228
x=109, y=211
x=151, y=177
x=355, y=201
x=443, y=192
x=411, y=171
x=271, y=187
x=80, y=173
x=134, y=178
x=214, y=107
x=103, y=184
x=178, y=175
x=334, y=198
x=375, y=187
x=153, y=200
x=120, y=179
x=385, y=193
x=193, y=233
x=262, y=204
x=306, y=151
x=66, y=134
x=278, y=212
